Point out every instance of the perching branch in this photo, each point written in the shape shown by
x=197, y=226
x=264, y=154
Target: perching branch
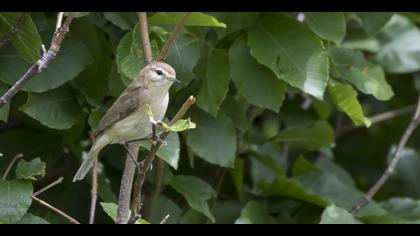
x=146, y=163
x=147, y=49
x=15, y=29
x=16, y=158
x=42, y=63
x=394, y=161
x=156, y=189
x=168, y=44
x=93, y=191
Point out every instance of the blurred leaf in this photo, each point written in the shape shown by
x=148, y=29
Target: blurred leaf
x=234, y=22
x=245, y=70
x=195, y=19
x=292, y=52
x=219, y=150
x=31, y=219
x=195, y=191
x=192, y=216
x=215, y=81
x=227, y=212
x=327, y=25
x=236, y=111
x=72, y=59
x=15, y=200
x=57, y=109
x=345, y=98
x=254, y=213
x=27, y=41
x=163, y=207
x=318, y=135
x=124, y=20
x=110, y=209
x=33, y=170
x=399, y=48
x=169, y=152
x=180, y=125
x=372, y=22
x=407, y=170
x=237, y=174
x=337, y=215
x=403, y=207
x=329, y=166
x=302, y=167
x=4, y=111
x=367, y=77
x=323, y=108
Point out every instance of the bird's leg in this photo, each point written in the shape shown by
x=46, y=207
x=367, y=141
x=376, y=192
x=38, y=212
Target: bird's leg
x=155, y=135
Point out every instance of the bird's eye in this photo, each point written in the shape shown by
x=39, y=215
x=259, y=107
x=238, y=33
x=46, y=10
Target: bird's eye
x=159, y=72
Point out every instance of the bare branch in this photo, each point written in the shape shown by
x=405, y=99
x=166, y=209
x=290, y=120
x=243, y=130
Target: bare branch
x=168, y=44
x=15, y=30
x=59, y=20
x=58, y=181
x=156, y=189
x=72, y=220
x=147, y=49
x=393, y=163
x=93, y=191
x=16, y=158
x=42, y=63
x=145, y=164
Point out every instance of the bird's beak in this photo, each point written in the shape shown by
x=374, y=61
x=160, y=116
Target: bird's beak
x=174, y=79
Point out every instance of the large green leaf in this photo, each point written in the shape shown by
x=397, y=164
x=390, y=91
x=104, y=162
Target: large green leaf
x=215, y=81
x=403, y=207
x=195, y=19
x=111, y=211
x=399, y=52
x=169, y=152
x=124, y=20
x=4, y=111
x=70, y=61
x=33, y=170
x=327, y=25
x=407, y=170
x=292, y=52
x=316, y=136
x=234, y=21
x=31, y=219
x=27, y=40
x=337, y=215
x=372, y=22
x=255, y=82
x=254, y=213
x=165, y=206
x=195, y=191
x=57, y=109
x=221, y=148
x=367, y=77
x=345, y=98
x=15, y=199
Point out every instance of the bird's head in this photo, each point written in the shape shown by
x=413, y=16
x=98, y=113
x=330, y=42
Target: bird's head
x=159, y=74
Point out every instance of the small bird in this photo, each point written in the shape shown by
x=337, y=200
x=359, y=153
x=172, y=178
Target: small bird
x=127, y=118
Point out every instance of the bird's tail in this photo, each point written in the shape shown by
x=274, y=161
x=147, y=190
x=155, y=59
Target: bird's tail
x=97, y=146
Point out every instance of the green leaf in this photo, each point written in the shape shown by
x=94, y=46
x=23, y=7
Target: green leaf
x=407, y=170
x=398, y=53
x=252, y=78
x=195, y=191
x=57, y=109
x=337, y=215
x=4, y=111
x=292, y=52
x=372, y=22
x=303, y=167
x=195, y=19
x=163, y=207
x=329, y=166
x=72, y=59
x=33, y=170
x=27, y=40
x=403, y=207
x=183, y=57
x=367, y=77
x=323, y=108
x=237, y=174
x=227, y=212
x=314, y=137
x=110, y=209
x=180, y=125
x=215, y=81
x=254, y=213
x=327, y=25
x=124, y=20
x=169, y=152
x=193, y=217
x=345, y=98
x=234, y=22
x=129, y=55
x=15, y=200
x=31, y=219
x=219, y=150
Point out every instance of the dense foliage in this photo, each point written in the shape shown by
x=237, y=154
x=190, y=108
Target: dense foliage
x=285, y=131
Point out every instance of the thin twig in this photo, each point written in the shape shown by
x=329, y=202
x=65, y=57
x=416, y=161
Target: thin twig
x=163, y=221
x=145, y=164
x=42, y=63
x=58, y=181
x=72, y=220
x=156, y=189
x=393, y=163
x=93, y=191
x=168, y=44
x=218, y=188
x=16, y=158
x=147, y=49
x=15, y=29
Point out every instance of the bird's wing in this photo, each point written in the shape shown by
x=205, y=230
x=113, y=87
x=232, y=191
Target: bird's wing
x=122, y=107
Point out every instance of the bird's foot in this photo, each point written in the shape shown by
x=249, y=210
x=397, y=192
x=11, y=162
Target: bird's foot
x=155, y=139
